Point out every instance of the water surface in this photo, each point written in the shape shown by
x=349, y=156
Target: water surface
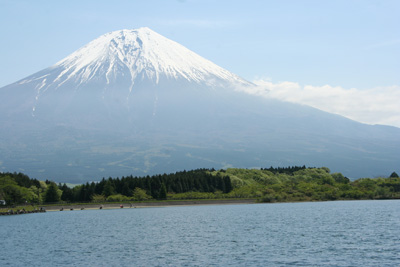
x=341, y=233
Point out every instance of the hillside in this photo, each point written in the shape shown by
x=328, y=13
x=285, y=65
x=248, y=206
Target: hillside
x=266, y=185
x=307, y=184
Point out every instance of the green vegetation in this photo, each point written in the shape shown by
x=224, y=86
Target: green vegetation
x=308, y=184
x=157, y=187
x=17, y=188
x=265, y=185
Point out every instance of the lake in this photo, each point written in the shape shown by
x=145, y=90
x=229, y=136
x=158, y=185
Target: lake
x=340, y=233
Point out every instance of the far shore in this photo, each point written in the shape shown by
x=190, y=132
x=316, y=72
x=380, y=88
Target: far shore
x=69, y=206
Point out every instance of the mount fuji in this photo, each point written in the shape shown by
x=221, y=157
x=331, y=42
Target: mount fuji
x=135, y=102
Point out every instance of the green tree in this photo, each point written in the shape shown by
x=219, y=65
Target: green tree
x=108, y=189
x=394, y=175
x=125, y=190
x=67, y=194
x=228, y=184
x=117, y=198
x=163, y=192
x=98, y=198
x=339, y=178
x=51, y=195
x=140, y=194
x=12, y=193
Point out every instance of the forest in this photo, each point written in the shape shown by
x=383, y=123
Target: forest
x=283, y=184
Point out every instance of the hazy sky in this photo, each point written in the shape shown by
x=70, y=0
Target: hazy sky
x=339, y=56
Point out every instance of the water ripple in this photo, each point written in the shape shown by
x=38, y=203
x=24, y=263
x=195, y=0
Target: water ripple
x=342, y=233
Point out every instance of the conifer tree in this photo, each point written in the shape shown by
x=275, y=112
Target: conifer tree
x=394, y=175
x=108, y=189
x=67, y=194
x=228, y=184
x=52, y=193
x=163, y=192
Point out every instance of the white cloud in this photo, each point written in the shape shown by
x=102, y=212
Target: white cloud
x=379, y=105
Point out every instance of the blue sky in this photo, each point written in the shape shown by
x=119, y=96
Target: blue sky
x=343, y=49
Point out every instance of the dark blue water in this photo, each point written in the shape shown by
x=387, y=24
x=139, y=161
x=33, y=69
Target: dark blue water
x=342, y=233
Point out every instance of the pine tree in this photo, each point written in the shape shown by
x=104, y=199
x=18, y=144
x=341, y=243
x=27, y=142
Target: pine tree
x=67, y=194
x=394, y=175
x=228, y=184
x=108, y=189
x=52, y=194
x=126, y=191
x=163, y=192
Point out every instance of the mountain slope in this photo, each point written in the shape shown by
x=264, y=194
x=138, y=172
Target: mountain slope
x=134, y=102
x=120, y=60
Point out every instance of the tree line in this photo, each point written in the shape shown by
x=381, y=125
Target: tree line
x=156, y=186
x=288, y=170
x=296, y=183
x=18, y=188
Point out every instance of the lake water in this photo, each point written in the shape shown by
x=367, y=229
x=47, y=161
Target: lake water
x=341, y=233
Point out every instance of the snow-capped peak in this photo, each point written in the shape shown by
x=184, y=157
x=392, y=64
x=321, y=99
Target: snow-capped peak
x=142, y=52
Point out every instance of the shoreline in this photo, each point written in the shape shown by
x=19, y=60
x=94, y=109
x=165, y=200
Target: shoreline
x=154, y=204
x=91, y=206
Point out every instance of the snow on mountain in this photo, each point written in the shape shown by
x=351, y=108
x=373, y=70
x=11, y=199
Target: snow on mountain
x=140, y=53
x=118, y=63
